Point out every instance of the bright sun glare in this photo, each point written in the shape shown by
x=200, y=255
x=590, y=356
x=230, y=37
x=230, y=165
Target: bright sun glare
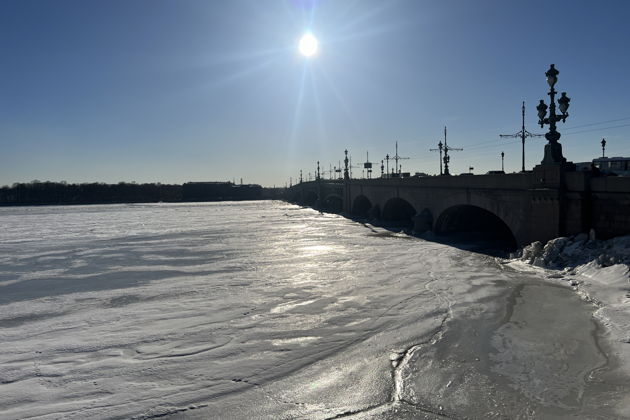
x=308, y=45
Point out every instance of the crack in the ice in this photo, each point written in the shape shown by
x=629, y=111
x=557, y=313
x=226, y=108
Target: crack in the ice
x=407, y=354
x=400, y=363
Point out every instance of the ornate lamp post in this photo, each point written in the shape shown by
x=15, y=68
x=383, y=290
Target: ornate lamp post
x=603, y=148
x=446, y=159
x=440, y=148
x=346, y=175
x=446, y=148
x=553, y=150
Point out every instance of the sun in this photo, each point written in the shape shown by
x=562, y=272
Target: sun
x=308, y=45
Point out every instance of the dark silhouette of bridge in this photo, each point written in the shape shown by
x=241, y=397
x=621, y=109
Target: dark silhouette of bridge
x=552, y=200
x=521, y=208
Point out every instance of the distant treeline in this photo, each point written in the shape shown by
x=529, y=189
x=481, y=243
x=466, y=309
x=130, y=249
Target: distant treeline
x=46, y=193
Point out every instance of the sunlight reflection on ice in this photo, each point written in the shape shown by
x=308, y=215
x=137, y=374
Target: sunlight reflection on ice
x=288, y=306
x=296, y=340
x=315, y=250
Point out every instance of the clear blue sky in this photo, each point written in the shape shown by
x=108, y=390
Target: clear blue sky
x=183, y=90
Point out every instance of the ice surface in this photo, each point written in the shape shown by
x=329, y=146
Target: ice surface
x=226, y=310
x=599, y=270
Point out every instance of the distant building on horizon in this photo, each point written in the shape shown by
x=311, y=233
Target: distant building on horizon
x=617, y=165
x=220, y=191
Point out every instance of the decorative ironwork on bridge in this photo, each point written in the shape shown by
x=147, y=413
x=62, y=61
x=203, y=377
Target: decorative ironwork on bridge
x=553, y=150
x=523, y=134
x=447, y=158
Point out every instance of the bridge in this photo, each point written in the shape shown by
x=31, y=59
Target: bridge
x=521, y=208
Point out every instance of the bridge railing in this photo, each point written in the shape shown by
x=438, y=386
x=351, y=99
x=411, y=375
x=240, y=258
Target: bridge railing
x=493, y=181
x=307, y=184
x=575, y=181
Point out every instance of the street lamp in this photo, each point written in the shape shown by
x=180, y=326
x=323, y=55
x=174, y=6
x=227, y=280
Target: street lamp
x=553, y=150
x=440, y=148
x=552, y=76
x=502, y=157
x=563, y=102
x=603, y=148
x=447, y=158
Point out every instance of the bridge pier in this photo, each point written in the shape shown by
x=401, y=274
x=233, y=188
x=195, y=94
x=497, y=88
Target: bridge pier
x=423, y=221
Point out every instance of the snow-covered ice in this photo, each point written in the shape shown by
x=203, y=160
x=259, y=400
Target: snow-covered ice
x=265, y=309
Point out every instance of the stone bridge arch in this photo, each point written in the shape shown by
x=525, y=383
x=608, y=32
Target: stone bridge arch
x=423, y=221
x=332, y=203
x=361, y=206
x=399, y=212
x=309, y=198
x=477, y=222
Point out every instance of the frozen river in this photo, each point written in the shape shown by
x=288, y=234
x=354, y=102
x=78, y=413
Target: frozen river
x=269, y=310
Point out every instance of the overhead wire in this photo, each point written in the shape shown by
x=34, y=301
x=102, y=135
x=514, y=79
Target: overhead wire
x=497, y=144
x=596, y=129
x=597, y=123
